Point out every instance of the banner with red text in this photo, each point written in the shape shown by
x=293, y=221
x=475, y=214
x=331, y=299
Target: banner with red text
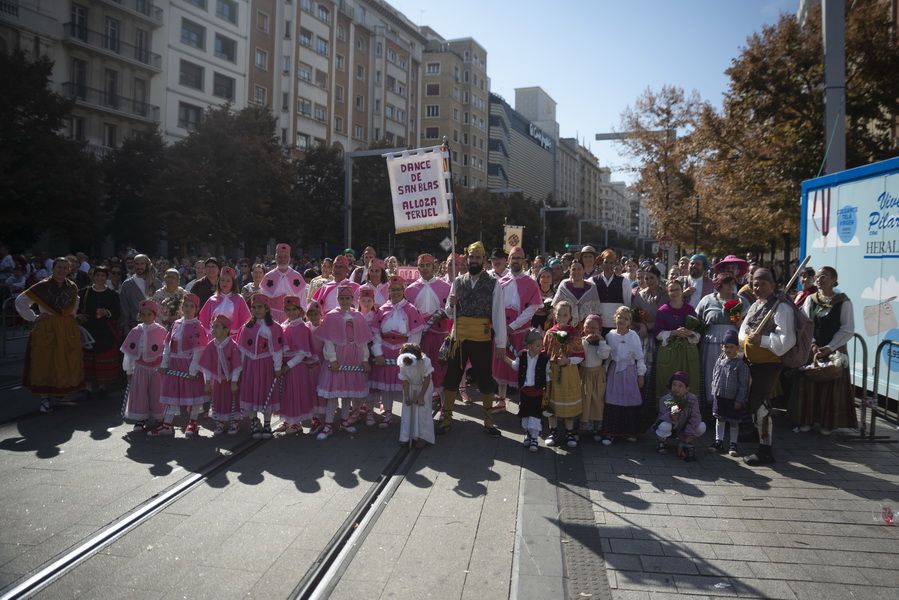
x=418, y=188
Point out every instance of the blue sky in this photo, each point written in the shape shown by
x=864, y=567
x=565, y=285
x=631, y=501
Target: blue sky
x=595, y=57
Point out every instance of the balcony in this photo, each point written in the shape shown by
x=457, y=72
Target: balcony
x=112, y=46
x=29, y=15
x=110, y=102
x=143, y=9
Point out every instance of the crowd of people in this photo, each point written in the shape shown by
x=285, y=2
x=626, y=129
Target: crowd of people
x=598, y=347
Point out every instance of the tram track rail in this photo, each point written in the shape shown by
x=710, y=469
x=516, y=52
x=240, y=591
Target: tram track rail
x=318, y=581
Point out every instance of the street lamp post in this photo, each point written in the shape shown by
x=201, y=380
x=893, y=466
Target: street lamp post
x=543, y=210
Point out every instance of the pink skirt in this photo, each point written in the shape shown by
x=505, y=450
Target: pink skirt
x=143, y=394
x=298, y=400
x=430, y=346
x=502, y=372
x=224, y=403
x=180, y=391
x=256, y=384
x=344, y=384
x=387, y=377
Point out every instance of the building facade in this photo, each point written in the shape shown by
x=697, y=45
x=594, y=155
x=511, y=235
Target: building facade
x=455, y=103
x=521, y=155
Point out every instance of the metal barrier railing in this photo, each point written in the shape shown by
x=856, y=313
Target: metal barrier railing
x=875, y=404
x=857, y=341
x=10, y=325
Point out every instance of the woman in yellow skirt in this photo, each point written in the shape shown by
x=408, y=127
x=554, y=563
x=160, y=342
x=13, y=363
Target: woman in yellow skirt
x=564, y=392
x=53, y=360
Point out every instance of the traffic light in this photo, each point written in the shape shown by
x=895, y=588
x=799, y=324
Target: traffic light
x=567, y=245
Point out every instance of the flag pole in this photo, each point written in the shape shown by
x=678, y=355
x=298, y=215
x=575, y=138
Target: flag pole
x=451, y=199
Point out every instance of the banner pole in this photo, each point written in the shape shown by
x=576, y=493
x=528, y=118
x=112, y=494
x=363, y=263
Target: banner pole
x=451, y=198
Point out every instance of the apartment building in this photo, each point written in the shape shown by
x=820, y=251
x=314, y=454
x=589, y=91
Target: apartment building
x=539, y=108
x=455, y=103
x=579, y=179
x=271, y=61
x=105, y=57
x=521, y=156
x=358, y=75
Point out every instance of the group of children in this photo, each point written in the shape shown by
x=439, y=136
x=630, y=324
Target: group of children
x=573, y=373
x=299, y=369
x=305, y=366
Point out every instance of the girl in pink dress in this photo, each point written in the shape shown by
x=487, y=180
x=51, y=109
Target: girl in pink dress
x=313, y=322
x=377, y=281
x=180, y=369
x=225, y=301
x=345, y=336
x=261, y=343
x=142, y=350
x=298, y=399
x=367, y=308
x=221, y=364
x=396, y=323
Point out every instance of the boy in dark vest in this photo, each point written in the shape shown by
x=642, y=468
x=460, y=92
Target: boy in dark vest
x=532, y=365
x=763, y=348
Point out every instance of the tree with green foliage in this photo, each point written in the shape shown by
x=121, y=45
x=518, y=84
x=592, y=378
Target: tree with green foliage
x=131, y=173
x=228, y=182
x=50, y=185
x=318, y=192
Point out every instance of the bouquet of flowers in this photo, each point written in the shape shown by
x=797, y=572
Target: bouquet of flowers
x=676, y=404
x=694, y=324
x=561, y=338
x=638, y=315
x=734, y=311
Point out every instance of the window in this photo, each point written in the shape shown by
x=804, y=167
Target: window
x=321, y=79
x=111, y=88
x=377, y=106
x=79, y=22
x=223, y=86
x=359, y=132
x=283, y=136
x=304, y=107
x=391, y=53
x=305, y=38
x=140, y=96
x=389, y=111
x=324, y=14
x=262, y=21
x=360, y=102
x=302, y=141
x=227, y=10
x=378, y=49
x=432, y=89
x=360, y=72
x=142, y=45
x=465, y=76
x=341, y=33
x=189, y=116
x=288, y=26
x=338, y=60
x=455, y=135
x=111, y=30
x=262, y=59
x=110, y=135
x=306, y=5
x=321, y=113
x=465, y=118
x=304, y=72
x=225, y=48
x=338, y=93
x=193, y=34
x=455, y=114
x=260, y=95
x=338, y=124
x=198, y=3
x=433, y=68
x=432, y=133
x=76, y=128
x=191, y=75
x=377, y=77
x=318, y=143
x=361, y=43
x=286, y=64
x=432, y=110
x=79, y=77
x=321, y=46
x=465, y=138
x=285, y=105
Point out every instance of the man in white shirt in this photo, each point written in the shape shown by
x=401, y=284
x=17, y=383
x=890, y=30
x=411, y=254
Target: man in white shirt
x=697, y=285
x=136, y=289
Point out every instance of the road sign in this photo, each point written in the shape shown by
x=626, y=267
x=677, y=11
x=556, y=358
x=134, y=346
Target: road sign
x=446, y=244
x=666, y=242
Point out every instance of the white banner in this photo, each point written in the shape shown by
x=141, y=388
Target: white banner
x=418, y=189
x=513, y=236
